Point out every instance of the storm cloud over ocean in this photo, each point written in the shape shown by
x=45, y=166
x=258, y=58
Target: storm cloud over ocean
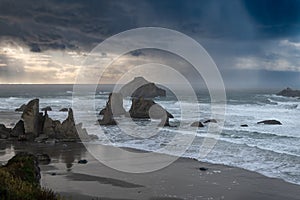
x=254, y=43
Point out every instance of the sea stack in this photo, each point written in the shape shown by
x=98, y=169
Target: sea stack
x=140, y=87
x=31, y=118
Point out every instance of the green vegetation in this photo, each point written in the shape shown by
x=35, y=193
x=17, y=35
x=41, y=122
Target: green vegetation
x=19, y=180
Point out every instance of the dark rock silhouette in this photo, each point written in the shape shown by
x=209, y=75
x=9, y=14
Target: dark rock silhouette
x=67, y=130
x=64, y=110
x=48, y=108
x=31, y=119
x=108, y=118
x=82, y=161
x=270, y=122
x=25, y=166
x=140, y=87
x=203, y=169
x=146, y=108
x=288, y=92
x=41, y=128
x=21, y=108
x=149, y=90
x=18, y=129
x=210, y=121
x=115, y=101
x=197, y=124
x=4, y=132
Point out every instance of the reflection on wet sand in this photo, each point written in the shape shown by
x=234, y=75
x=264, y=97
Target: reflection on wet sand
x=66, y=153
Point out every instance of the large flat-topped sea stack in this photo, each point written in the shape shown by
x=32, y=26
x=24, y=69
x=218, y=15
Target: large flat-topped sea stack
x=288, y=92
x=140, y=87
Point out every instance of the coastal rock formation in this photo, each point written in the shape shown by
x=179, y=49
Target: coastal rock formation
x=64, y=110
x=140, y=87
x=288, y=92
x=38, y=127
x=67, y=130
x=149, y=90
x=21, y=108
x=4, y=132
x=210, y=121
x=31, y=118
x=197, y=124
x=108, y=118
x=48, y=108
x=68, y=127
x=270, y=122
x=18, y=129
x=145, y=109
x=115, y=101
x=51, y=127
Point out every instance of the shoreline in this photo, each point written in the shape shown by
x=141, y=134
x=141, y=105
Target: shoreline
x=182, y=179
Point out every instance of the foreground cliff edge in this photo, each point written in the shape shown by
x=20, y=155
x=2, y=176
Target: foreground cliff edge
x=20, y=179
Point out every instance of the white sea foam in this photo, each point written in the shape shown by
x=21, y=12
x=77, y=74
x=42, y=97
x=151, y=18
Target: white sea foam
x=271, y=150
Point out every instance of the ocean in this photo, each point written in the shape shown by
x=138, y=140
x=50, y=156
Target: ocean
x=271, y=150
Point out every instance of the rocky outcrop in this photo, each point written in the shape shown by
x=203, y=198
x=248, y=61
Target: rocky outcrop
x=197, y=124
x=140, y=87
x=4, y=132
x=64, y=110
x=18, y=130
x=25, y=166
x=115, y=101
x=68, y=127
x=21, y=108
x=149, y=90
x=51, y=127
x=20, y=179
x=47, y=108
x=145, y=109
x=108, y=118
x=210, y=121
x=38, y=127
x=31, y=118
x=288, y=92
x=270, y=122
x=67, y=130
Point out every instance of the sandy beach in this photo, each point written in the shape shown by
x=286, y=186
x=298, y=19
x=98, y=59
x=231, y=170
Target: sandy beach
x=181, y=180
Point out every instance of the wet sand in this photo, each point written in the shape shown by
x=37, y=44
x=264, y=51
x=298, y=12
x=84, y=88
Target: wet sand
x=180, y=180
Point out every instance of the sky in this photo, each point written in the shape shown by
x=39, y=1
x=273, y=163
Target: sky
x=254, y=43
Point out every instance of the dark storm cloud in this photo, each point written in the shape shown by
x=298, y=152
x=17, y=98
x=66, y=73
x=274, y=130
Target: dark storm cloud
x=275, y=18
x=233, y=32
x=74, y=23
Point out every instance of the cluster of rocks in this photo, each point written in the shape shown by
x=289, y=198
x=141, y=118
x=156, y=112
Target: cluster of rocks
x=142, y=107
x=288, y=92
x=45, y=109
x=38, y=126
x=267, y=122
